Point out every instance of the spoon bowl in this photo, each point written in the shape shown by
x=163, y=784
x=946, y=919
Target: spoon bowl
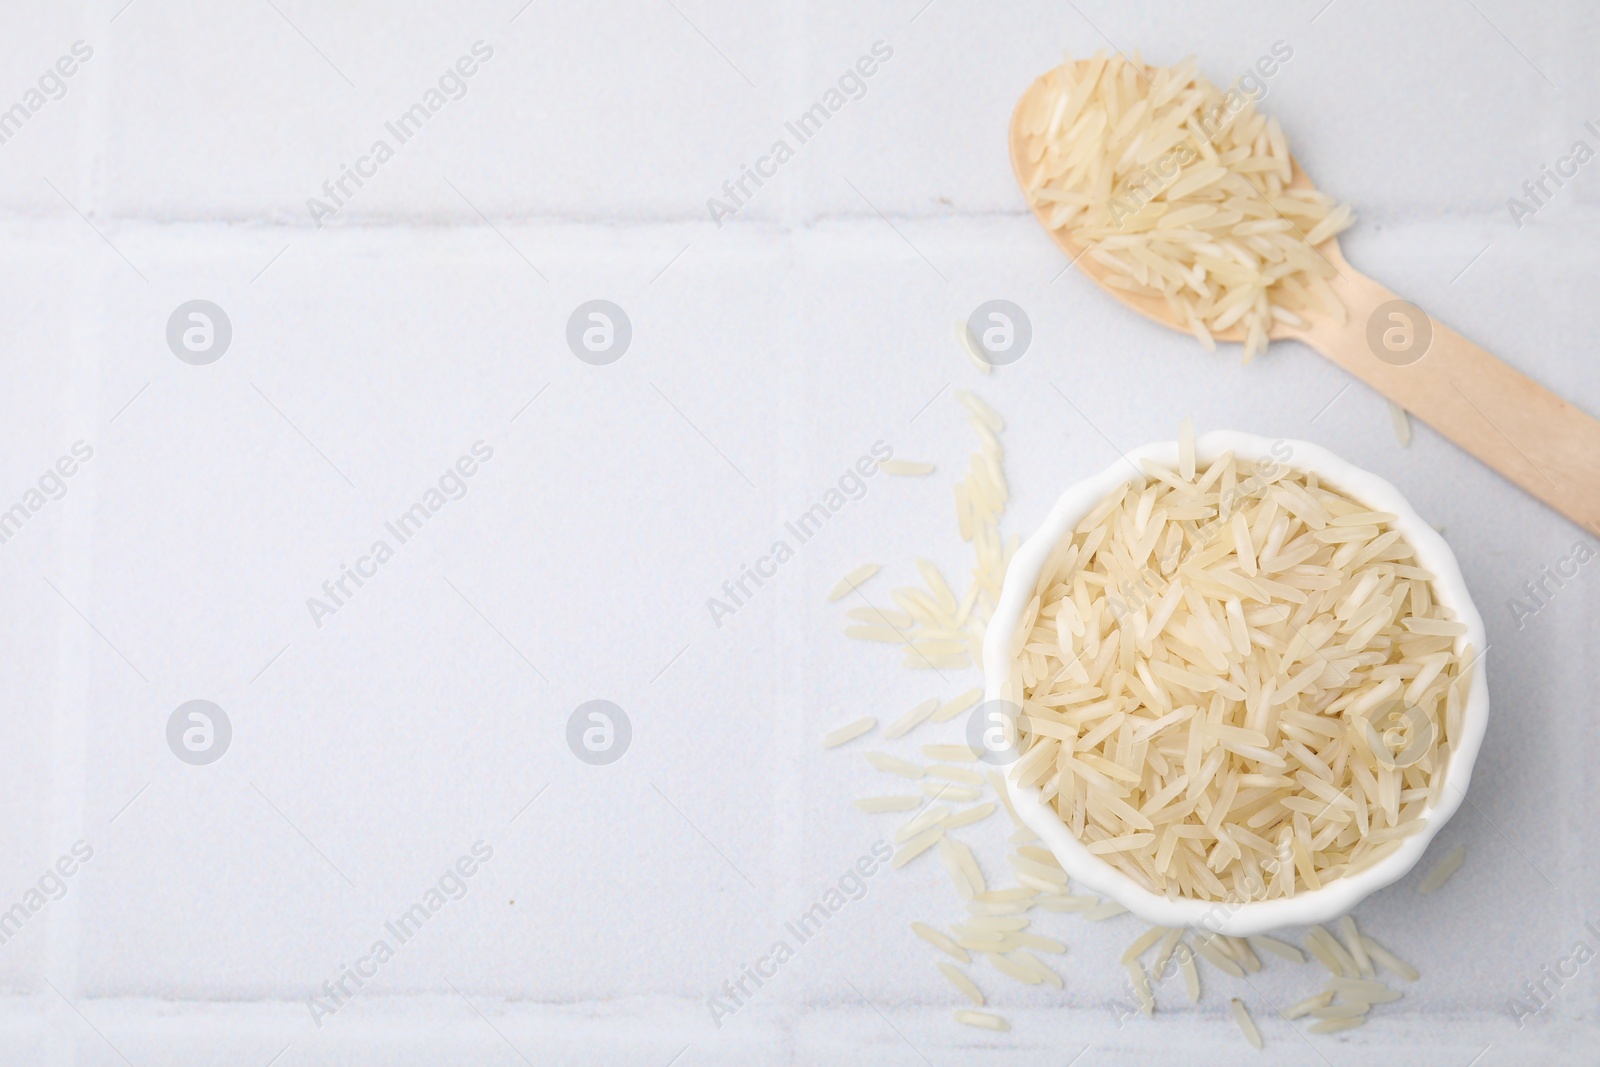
x=1517, y=427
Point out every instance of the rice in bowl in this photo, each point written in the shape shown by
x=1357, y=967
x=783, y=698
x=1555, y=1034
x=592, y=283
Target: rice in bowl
x=1235, y=681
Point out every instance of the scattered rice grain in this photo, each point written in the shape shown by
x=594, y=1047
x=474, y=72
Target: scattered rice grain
x=1246, y=1024
x=848, y=732
x=883, y=804
x=941, y=941
x=853, y=579
x=1443, y=870
x=962, y=982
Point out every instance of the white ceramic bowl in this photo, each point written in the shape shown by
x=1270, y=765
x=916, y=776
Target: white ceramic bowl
x=1336, y=897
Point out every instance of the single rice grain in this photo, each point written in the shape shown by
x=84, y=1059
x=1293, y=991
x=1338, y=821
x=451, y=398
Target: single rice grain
x=1384, y=958
x=1443, y=870
x=891, y=765
x=882, y=804
x=905, y=467
x=1278, y=948
x=962, y=982
x=853, y=579
x=939, y=940
x=1302, y=1007
x=1333, y=1026
x=916, y=846
x=912, y=719
x=950, y=709
x=848, y=732
x=1246, y=1024
x=1402, y=424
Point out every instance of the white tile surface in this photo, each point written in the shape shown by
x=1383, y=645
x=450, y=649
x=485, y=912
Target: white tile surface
x=42, y=140
x=767, y=355
x=245, y=114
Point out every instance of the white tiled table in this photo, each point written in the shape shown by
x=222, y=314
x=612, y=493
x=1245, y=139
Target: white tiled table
x=768, y=353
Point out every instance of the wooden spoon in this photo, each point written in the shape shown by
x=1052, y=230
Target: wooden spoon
x=1506, y=419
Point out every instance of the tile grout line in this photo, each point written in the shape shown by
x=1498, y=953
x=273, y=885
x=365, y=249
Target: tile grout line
x=792, y=219
x=785, y=861
x=69, y=763
x=797, y=193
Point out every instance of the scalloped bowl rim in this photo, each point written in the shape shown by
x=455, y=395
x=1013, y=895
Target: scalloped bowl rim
x=1336, y=897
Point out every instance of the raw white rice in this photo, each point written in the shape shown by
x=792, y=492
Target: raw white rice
x=905, y=467
x=882, y=804
x=983, y=941
x=848, y=732
x=998, y=783
x=1142, y=944
x=1038, y=966
x=968, y=864
x=1036, y=941
x=1038, y=871
x=1347, y=960
x=968, y=816
x=1242, y=952
x=853, y=579
x=1402, y=424
x=1358, y=991
x=1359, y=988
x=1333, y=1026
x=979, y=906
x=964, y=338
x=1044, y=856
x=997, y=919
x=1202, y=672
x=1141, y=986
x=1339, y=1011
x=1005, y=896
x=1342, y=963
x=956, y=706
x=1067, y=902
x=1246, y=1024
x=1352, y=944
x=912, y=719
x=1168, y=944
x=1191, y=974
x=1443, y=870
x=939, y=940
x=952, y=864
x=877, y=616
x=921, y=821
x=981, y=410
x=951, y=791
x=1324, y=956
x=1142, y=168
x=944, y=631
x=962, y=982
x=1320, y=1000
x=1011, y=968
x=1388, y=960
x=934, y=788
x=1215, y=956
x=1278, y=948
x=916, y=846
x=890, y=765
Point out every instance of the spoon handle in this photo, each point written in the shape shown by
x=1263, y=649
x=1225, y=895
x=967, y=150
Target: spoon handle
x=1503, y=417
